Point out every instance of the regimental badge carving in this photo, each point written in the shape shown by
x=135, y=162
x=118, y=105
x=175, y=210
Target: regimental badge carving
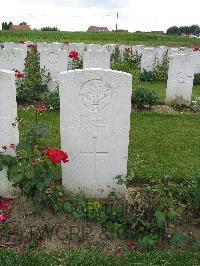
x=96, y=94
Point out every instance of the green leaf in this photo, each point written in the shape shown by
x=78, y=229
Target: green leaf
x=40, y=186
x=1, y=165
x=17, y=178
x=160, y=219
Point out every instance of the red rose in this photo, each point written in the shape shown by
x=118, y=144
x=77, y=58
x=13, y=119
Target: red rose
x=57, y=156
x=74, y=55
x=4, y=148
x=12, y=146
x=42, y=108
x=19, y=74
x=4, y=205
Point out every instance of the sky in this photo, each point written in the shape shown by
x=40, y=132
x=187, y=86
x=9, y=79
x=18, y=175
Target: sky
x=78, y=15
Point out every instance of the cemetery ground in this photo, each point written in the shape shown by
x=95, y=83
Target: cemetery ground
x=147, y=39
x=160, y=213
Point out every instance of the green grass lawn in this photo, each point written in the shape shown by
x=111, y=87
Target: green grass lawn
x=87, y=37
x=160, y=144
x=160, y=88
x=88, y=258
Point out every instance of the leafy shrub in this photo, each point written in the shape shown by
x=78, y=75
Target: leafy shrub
x=31, y=86
x=126, y=62
x=36, y=168
x=148, y=76
x=160, y=70
x=196, y=80
x=144, y=98
x=52, y=100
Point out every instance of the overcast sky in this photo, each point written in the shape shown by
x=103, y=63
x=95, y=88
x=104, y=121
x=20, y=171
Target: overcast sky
x=78, y=15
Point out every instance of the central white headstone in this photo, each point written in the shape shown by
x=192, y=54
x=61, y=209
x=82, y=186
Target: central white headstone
x=95, y=122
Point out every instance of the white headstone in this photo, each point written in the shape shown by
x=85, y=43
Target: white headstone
x=77, y=47
x=180, y=78
x=41, y=46
x=12, y=58
x=11, y=45
x=96, y=59
x=54, y=62
x=8, y=133
x=96, y=47
x=148, y=59
x=95, y=122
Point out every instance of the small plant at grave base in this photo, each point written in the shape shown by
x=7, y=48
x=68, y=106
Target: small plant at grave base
x=52, y=100
x=179, y=104
x=77, y=62
x=144, y=98
x=147, y=76
x=30, y=83
x=37, y=167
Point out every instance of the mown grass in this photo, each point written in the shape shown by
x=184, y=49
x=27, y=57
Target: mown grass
x=160, y=144
x=164, y=144
x=88, y=258
x=110, y=37
x=161, y=87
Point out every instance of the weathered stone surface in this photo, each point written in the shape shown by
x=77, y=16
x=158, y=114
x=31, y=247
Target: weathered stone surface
x=95, y=125
x=148, y=59
x=180, y=78
x=54, y=62
x=11, y=45
x=8, y=132
x=12, y=58
x=96, y=59
x=96, y=47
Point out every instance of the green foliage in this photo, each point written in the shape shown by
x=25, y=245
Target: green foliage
x=23, y=23
x=6, y=26
x=160, y=70
x=49, y=29
x=33, y=172
x=193, y=29
x=126, y=62
x=148, y=76
x=52, y=100
x=6, y=160
x=179, y=240
x=148, y=242
x=196, y=80
x=181, y=105
x=144, y=98
x=77, y=64
x=31, y=86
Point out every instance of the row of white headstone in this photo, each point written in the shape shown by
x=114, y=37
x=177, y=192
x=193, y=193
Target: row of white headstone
x=95, y=107
x=54, y=57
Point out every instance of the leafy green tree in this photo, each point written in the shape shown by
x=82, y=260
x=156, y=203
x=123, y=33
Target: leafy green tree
x=173, y=30
x=23, y=23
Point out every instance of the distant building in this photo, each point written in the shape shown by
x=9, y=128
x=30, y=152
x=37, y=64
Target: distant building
x=97, y=29
x=19, y=27
x=157, y=32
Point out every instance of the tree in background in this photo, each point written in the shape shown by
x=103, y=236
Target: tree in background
x=6, y=25
x=193, y=29
x=23, y=23
x=49, y=29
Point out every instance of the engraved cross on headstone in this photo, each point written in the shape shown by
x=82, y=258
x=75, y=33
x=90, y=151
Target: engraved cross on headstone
x=94, y=154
